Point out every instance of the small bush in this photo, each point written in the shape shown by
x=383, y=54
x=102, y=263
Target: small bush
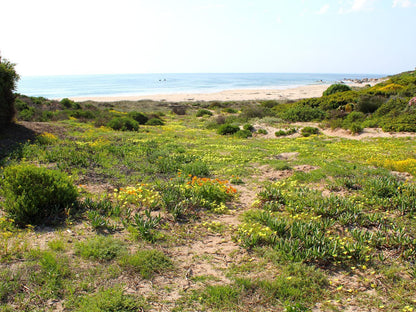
x=102, y=248
x=262, y=131
x=139, y=117
x=146, y=262
x=226, y=129
x=356, y=128
x=155, y=122
x=203, y=112
x=230, y=110
x=67, y=103
x=335, y=88
x=308, y=131
x=243, y=134
x=34, y=195
x=123, y=124
x=285, y=132
x=248, y=127
x=303, y=113
x=26, y=114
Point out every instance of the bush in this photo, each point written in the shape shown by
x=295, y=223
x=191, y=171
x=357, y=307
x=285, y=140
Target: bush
x=155, y=122
x=139, y=117
x=303, y=113
x=308, y=131
x=285, y=132
x=355, y=117
x=356, y=128
x=228, y=129
x=123, y=124
x=67, y=103
x=203, y=112
x=243, y=134
x=369, y=104
x=262, y=131
x=335, y=88
x=34, y=195
x=8, y=80
x=248, y=127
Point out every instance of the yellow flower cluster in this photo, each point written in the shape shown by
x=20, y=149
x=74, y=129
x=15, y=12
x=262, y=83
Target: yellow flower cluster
x=142, y=195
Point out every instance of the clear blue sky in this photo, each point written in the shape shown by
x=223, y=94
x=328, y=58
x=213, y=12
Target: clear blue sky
x=187, y=36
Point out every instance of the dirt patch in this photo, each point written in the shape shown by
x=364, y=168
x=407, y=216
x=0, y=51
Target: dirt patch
x=305, y=168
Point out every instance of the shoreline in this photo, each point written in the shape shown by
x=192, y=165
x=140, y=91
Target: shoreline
x=290, y=93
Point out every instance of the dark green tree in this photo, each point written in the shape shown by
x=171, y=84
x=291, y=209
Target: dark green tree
x=8, y=80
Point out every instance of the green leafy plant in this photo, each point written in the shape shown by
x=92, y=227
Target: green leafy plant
x=155, y=122
x=226, y=129
x=335, y=88
x=203, y=112
x=308, y=131
x=123, y=124
x=36, y=195
x=139, y=117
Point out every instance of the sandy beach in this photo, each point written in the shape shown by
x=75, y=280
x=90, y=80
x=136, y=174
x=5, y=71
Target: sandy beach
x=300, y=92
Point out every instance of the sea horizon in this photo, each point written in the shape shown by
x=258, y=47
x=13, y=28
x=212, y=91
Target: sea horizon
x=99, y=85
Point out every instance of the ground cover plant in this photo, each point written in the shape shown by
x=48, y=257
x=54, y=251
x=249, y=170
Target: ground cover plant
x=181, y=218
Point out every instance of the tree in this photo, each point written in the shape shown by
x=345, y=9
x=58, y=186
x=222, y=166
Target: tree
x=8, y=80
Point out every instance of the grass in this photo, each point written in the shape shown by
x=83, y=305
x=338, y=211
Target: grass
x=216, y=223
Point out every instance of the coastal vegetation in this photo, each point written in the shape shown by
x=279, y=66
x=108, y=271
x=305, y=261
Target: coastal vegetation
x=217, y=206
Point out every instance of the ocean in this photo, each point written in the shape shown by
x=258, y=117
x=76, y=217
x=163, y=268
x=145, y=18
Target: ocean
x=57, y=87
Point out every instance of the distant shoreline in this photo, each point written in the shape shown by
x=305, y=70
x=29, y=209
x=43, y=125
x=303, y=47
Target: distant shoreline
x=294, y=93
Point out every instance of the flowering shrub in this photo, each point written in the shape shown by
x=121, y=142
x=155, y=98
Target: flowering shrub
x=46, y=138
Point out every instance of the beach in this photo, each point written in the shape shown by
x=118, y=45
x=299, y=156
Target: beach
x=291, y=93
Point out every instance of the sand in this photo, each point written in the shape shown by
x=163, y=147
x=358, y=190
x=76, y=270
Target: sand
x=300, y=92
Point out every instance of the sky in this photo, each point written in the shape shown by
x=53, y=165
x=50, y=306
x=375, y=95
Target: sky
x=50, y=37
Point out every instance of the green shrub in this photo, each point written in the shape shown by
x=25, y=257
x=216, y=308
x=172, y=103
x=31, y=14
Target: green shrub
x=262, y=131
x=243, y=134
x=139, y=117
x=308, y=131
x=230, y=110
x=355, y=117
x=102, y=248
x=203, y=112
x=249, y=112
x=335, y=88
x=248, y=127
x=67, y=103
x=228, y=129
x=285, y=132
x=123, y=124
x=369, y=104
x=34, y=195
x=303, y=113
x=146, y=262
x=155, y=122
x=20, y=105
x=356, y=128
x=8, y=80
x=26, y=114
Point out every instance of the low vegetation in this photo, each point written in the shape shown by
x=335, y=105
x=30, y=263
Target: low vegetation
x=209, y=213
